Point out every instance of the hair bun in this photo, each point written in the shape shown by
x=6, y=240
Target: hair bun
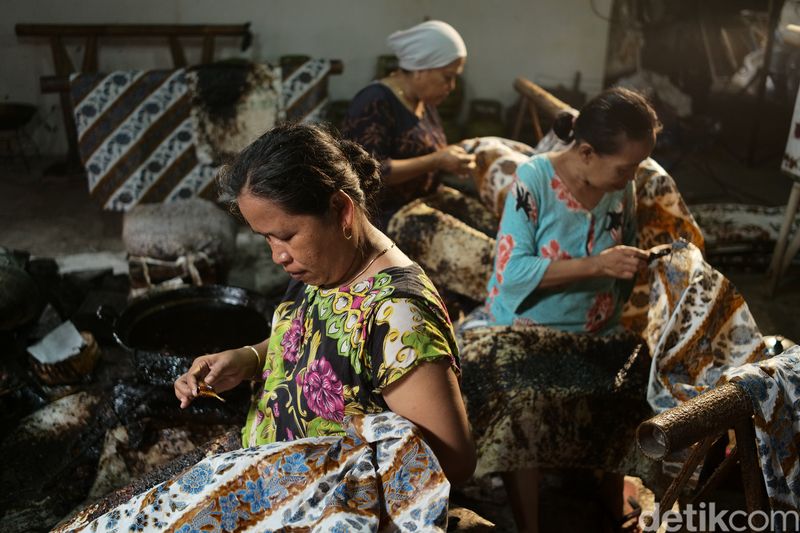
x=367, y=169
x=563, y=126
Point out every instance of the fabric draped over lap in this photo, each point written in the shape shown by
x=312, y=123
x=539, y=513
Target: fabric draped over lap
x=454, y=255
x=379, y=476
x=538, y=397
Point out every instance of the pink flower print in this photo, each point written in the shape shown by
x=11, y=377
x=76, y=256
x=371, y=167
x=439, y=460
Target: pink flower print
x=554, y=251
x=600, y=313
x=259, y=417
x=524, y=321
x=276, y=410
x=289, y=434
x=505, y=244
x=323, y=391
x=563, y=194
x=265, y=374
x=291, y=339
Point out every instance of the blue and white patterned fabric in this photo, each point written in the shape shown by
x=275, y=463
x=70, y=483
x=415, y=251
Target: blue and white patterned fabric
x=380, y=476
x=774, y=388
x=305, y=90
x=136, y=139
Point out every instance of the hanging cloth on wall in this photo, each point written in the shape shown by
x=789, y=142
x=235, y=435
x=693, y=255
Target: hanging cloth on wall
x=136, y=138
x=160, y=135
x=305, y=90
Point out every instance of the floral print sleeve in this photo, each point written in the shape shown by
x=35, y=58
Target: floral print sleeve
x=519, y=265
x=544, y=222
x=405, y=334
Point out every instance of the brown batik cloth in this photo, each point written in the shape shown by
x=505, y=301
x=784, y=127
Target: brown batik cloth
x=538, y=397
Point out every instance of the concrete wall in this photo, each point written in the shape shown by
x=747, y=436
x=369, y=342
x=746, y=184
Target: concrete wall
x=544, y=40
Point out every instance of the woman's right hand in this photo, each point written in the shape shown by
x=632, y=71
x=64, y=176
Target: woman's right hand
x=455, y=160
x=223, y=371
x=621, y=262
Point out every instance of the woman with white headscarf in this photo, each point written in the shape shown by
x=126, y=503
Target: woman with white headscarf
x=395, y=118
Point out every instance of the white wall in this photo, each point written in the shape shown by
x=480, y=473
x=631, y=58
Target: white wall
x=546, y=41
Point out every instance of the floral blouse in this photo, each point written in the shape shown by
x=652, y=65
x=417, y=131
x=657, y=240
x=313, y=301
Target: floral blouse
x=333, y=351
x=380, y=123
x=543, y=222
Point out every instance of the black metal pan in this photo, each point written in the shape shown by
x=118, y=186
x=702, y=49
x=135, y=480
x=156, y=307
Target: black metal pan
x=167, y=330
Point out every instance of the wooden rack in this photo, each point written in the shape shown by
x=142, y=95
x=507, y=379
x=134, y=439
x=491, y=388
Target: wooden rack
x=57, y=34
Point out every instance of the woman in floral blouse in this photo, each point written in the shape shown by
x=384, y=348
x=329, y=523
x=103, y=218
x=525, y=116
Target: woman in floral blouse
x=361, y=328
x=566, y=257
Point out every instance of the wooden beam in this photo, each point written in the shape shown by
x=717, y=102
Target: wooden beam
x=90, y=55
x=176, y=49
x=543, y=101
x=131, y=30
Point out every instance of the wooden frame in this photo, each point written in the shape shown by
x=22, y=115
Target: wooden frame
x=92, y=33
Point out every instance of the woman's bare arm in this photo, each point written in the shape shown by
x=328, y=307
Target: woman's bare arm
x=430, y=397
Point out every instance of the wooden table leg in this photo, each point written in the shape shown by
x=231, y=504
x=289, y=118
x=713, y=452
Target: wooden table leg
x=776, y=267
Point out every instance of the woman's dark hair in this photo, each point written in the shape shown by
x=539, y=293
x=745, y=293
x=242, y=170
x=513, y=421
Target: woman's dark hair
x=299, y=166
x=606, y=118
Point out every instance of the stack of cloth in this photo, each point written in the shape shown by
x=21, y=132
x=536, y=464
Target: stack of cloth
x=741, y=236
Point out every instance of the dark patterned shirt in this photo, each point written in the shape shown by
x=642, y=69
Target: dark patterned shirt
x=388, y=130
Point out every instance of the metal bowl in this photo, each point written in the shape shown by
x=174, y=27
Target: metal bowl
x=165, y=331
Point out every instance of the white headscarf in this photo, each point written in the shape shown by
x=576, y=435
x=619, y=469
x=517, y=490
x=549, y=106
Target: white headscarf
x=431, y=44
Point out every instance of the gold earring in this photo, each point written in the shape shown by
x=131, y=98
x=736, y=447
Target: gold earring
x=344, y=232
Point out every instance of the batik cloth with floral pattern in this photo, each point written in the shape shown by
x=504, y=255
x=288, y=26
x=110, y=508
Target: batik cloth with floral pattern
x=774, y=389
x=380, y=475
x=543, y=222
x=332, y=352
x=698, y=327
